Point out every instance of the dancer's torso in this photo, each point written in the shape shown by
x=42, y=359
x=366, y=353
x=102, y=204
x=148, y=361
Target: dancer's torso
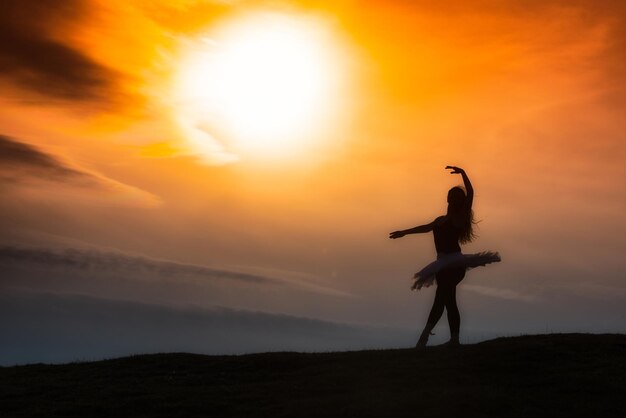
x=447, y=237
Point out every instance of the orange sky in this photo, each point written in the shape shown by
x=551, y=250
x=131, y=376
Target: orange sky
x=528, y=97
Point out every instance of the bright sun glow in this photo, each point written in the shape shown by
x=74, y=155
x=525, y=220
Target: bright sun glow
x=264, y=84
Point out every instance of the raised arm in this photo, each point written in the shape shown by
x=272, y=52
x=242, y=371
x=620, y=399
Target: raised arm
x=417, y=230
x=468, y=185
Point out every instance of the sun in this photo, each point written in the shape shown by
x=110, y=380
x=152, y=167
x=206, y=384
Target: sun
x=262, y=85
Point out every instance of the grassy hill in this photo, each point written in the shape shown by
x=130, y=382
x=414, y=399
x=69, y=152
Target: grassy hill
x=545, y=375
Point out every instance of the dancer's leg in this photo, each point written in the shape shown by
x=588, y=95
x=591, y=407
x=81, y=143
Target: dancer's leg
x=435, y=314
x=438, y=305
x=448, y=283
x=454, y=317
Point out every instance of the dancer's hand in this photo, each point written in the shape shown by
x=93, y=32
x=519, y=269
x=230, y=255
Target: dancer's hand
x=397, y=234
x=455, y=170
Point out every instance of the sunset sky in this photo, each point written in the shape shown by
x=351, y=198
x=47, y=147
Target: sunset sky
x=173, y=171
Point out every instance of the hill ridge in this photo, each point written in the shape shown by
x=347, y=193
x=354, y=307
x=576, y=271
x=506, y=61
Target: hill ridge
x=552, y=374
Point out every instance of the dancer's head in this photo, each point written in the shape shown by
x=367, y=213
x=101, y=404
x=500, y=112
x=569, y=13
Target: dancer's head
x=456, y=198
x=456, y=206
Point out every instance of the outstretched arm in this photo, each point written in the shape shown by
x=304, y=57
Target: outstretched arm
x=468, y=185
x=417, y=230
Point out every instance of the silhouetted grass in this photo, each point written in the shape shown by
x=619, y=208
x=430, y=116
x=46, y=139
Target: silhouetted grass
x=547, y=375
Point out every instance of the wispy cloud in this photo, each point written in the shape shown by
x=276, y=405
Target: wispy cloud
x=506, y=294
x=95, y=262
x=24, y=163
x=19, y=160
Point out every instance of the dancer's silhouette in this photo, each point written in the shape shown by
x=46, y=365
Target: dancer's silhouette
x=450, y=230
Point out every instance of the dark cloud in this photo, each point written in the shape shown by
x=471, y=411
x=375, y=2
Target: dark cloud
x=53, y=327
x=19, y=161
x=32, y=55
x=104, y=273
x=92, y=260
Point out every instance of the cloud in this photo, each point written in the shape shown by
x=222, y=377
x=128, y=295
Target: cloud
x=91, y=264
x=506, y=294
x=54, y=327
x=19, y=160
x=111, y=262
x=35, y=54
x=24, y=163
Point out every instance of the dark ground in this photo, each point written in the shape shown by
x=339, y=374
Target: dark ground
x=546, y=375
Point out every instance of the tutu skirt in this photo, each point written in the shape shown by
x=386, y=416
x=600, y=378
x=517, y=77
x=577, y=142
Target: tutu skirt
x=426, y=276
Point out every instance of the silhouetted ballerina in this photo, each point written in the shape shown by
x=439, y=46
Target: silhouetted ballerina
x=454, y=228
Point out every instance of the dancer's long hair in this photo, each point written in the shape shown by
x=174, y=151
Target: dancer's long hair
x=456, y=201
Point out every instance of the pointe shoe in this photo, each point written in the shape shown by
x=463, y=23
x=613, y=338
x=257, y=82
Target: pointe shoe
x=421, y=343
